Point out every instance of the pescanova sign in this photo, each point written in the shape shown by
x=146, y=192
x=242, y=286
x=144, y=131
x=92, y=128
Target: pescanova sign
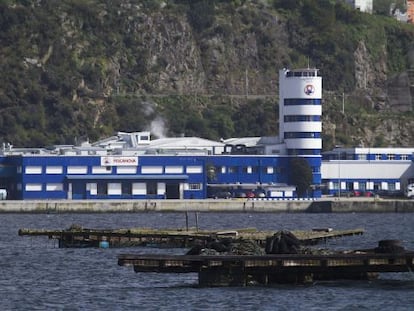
x=119, y=161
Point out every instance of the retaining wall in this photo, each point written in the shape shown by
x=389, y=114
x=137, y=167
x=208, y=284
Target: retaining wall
x=117, y=206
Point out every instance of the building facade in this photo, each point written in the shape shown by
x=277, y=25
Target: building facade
x=362, y=5
x=367, y=171
x=144, y=176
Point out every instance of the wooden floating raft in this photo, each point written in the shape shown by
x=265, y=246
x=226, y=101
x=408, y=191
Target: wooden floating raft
x=76, y=236
x=234, y=270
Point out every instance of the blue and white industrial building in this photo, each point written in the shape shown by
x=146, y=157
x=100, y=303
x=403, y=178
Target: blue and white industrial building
x=361, y=171
x=134, y=166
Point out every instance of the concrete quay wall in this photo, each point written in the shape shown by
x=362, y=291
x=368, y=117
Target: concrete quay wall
x=331, y=205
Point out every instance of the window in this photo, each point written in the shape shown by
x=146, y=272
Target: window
x=77, y=169
x=221, y=169
x=33, y=187
x=302, y=135
x=33, y=170
x=194, y=187
x=126, y=170
x=247, y=169
x=101, y=170
x=54, y=187
x=404, y=157
x=300, y=101
x=151, y=170
x=114, y=188
x=390, y=156
x=102, y=188
x=302, y=118
x=194, y=169
x=378, y=156
x=233, y=169
x=126, y=188
x=152, y=187
x=173, y=169
x=316, y=169
x=54, y=169
x=139, y=188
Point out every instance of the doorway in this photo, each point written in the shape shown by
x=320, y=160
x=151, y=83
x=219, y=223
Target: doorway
x=172, y=191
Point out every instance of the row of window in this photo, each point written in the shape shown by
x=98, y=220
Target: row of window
x=364, y=186
x=150, y=170
x=288, y=135
x=109, y=170
x=105, y=188
x=304, y=151
x=389, y=156
x=378, y=156
x=246, y=169
x=255, y=169
x=301, y=101
x=312, y=73
x=302, y=118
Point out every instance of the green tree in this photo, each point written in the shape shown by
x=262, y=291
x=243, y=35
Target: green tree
x=201, y=14
x=300, y=175
x=287, y=4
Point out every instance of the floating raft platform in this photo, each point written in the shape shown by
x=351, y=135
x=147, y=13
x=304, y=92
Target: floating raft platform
x=77, y=236
x=243, y=270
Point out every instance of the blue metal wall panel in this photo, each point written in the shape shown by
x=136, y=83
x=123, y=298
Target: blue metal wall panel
x=258, y=175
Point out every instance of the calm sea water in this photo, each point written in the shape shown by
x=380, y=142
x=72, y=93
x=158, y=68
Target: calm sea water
x=36, y=275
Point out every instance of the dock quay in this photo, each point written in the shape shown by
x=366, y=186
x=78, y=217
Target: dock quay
x=76, y=236
x=244, y=270
x=323, y=205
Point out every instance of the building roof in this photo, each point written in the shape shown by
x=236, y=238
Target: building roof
x=184, y=143
x=247, y=141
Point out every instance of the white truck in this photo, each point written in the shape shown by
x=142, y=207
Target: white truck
x=409, y=191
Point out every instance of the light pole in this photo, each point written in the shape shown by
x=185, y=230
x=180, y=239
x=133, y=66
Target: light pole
x=339, y=170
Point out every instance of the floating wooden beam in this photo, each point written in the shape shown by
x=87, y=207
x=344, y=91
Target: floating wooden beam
x=83, y=237
x=233, y=270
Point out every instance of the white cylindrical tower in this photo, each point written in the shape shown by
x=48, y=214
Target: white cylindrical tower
x=300, y=111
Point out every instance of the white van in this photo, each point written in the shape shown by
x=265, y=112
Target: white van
x=409, y=191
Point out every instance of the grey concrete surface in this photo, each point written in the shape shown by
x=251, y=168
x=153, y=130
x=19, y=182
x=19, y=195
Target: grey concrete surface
x=323, y=205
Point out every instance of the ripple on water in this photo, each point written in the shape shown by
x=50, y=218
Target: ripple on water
x=35, y=273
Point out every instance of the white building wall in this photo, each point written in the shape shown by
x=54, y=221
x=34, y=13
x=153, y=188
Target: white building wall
x=348, y=169
x=139, y=188
x=303, y=110
x=303, y=127
x=304, y=143
x=362, y=5
x=93, y=188
x=161, y=188
x=114, y=189
x=300, y=84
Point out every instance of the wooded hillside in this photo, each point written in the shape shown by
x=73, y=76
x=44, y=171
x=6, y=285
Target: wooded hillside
x=84, y=69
